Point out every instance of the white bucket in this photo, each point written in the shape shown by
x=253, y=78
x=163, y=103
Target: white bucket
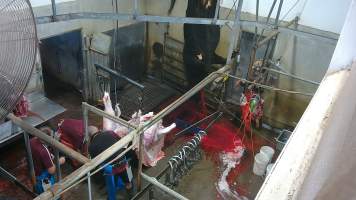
x=259, y=166
x=268, y=151
x=269, y=168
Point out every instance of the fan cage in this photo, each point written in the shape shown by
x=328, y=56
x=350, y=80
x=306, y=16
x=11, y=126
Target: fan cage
x=18, y=50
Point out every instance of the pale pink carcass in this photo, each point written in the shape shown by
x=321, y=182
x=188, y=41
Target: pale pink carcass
x=153, y=141
x=109, y=125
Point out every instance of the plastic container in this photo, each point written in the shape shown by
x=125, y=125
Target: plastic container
x=269, y=168
x=260, y=164
x=282, y=139
x=268, y=151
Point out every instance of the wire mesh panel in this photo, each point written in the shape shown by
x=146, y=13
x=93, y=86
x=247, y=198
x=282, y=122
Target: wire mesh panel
x=18, y=50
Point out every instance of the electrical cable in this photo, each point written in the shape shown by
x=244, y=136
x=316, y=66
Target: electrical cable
x=116, y=24
x=196, y=123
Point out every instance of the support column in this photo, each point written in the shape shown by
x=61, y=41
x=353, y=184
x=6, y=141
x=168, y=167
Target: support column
x=29, y=158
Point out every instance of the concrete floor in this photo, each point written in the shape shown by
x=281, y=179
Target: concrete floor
x=199, y=183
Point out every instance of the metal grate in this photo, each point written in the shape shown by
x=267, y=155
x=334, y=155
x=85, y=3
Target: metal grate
x=153, y=95
x=18, y=40
x=173, y=66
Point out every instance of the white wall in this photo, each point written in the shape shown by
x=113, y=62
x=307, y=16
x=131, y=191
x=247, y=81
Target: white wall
x=36, y=3
x=327, y=15
x=264, y=7
x=43, y=8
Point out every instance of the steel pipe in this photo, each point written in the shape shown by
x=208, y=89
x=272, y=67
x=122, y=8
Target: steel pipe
x=140, y=160
x=118, y=75
x=85, y=121
x=29, y=158
x=49, y=140
x=106, y=115
x=235, y=33
x=292, y=76
x=217, y=9
x=142, y=192
x=135, y=9
x=87, y=167
x=5, y=174
x=278, y=12
x=129, y=16
x=54, y=9
x=179, y=20
x=89, y=187
x=161, y=186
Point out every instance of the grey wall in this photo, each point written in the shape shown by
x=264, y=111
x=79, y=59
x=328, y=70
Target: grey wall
x=305, y=57
x=301, y=56
x=57, y=52
x=62, y=57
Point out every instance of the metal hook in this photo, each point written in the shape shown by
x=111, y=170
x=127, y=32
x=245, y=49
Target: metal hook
x=181, y=154
x=172, y=180
x=186, y=146
x=191, y=143
x=178, y=157
x=202, y=133
x=195, y=143
x=177, y=162
x=197, y=138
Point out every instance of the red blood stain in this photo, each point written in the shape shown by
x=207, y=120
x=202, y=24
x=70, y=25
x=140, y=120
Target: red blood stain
x=13, y=159
x=223, y=136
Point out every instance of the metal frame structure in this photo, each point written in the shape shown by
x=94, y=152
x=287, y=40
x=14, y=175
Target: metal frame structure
x=76, y=176
x=84, y=172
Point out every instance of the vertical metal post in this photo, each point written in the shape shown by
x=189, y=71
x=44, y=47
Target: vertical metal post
x=86, y=133
x=135, y=9
x=29, y=158
x=54, y=9
x=257, y=12
x=268, y=18
x=234, y=38
x=150, y=194
x=270, y=56
x=271, y=10
x=140, y=147
x=217, y=9
x=140, y=157
x=235, y=33
x=252, y=61
x=86, y=143
x=89, y=187
x=85, y=68
x=278, y=13
x=58, y=165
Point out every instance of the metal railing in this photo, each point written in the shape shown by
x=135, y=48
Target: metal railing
x=85, y=171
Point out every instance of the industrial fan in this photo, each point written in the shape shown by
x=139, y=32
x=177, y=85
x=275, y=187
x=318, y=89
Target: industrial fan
x=18, y=48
